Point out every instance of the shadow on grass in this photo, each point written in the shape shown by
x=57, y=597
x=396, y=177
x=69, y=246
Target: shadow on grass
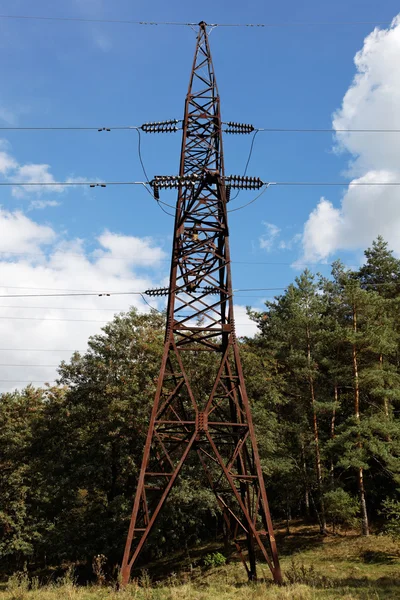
x=378, y=557
x=385, y=587
x=299, y=541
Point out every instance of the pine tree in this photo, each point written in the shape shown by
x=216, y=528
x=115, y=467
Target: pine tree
x=293, y=324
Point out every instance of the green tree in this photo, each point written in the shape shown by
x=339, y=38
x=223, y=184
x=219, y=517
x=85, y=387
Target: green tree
x=292, y=324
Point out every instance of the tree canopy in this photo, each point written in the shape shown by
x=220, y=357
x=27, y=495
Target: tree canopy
x=323, y=377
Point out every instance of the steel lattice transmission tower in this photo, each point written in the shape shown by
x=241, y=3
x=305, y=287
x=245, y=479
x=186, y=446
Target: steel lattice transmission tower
x=216, y=423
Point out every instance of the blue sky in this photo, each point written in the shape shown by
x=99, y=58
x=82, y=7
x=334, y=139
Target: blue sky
x=88, y=74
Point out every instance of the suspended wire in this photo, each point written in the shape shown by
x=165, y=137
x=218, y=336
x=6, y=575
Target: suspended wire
x=64, y=308
x=141, y=293
x=36, y=350
x=82, y=320
x=261, y=129
x=71, y=183
x=139, y=149
x=237, y=262
x=335, y=183
x=25, y=381
x=303, y=24
x=25, y=287
x=251, y=201
x=144, y=183
x=69, y=295
x=67, y=128
x=152, y=307
x=288, y=130
x=87, y=294
x=188, y=24
x=63, y=253
x=248, y=161
x=91, y=20
x=24, y=365
x=53, y=319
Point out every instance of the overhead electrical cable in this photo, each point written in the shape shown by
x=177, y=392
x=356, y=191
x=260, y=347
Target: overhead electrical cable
x=24, y=365
x=68, y=128
x=36, y=350
x=148, y=189
x=69, y=295
x=188, y=24
x=316, y=130
x=247, y=162
x=137, y=128
x=145, y=183
x=80, y=308
x=53, y=319
x=25, y=381
x=251, y=201
x=151, y=259
x=141, y=293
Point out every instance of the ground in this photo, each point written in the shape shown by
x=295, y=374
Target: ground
x=346, y=567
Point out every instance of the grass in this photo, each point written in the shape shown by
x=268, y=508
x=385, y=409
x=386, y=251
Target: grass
x=315, y=567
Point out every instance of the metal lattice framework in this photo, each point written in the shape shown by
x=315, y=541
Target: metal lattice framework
x=215, y=423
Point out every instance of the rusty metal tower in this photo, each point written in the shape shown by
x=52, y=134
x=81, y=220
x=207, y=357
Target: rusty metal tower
x=215, y=423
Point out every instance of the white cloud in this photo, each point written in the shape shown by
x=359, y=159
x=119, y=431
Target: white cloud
x=7, y=162
x=134, y=250
x=20, y=234
x=36, y=259
x=371, y=102
x=268, y=239
x=35, y=173
x=244, y=325
x=12, y=170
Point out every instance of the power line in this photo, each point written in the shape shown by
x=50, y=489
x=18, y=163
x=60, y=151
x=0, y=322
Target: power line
x=303, y=24
x=24, y=287
x=74, y=320
x=69, y=295
x=68, y=128
x=253, y=139
x=24, y=365
x=148, y=189
x=141, y=293
x=137, y=128
x=25, y=381
x=315, y=130
x=71, y=183
x=53, y=319
x=63, y=308
x=99, y=257
x=185, y=24
x=251, y=201
x=88, y=20
x=145, y=183
x=143, y=258
x=35, y=350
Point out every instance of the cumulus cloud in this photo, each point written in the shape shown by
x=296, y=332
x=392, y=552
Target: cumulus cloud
x=371, y=102
x=36, y=259
x=20, y=234
x=12, y=170
x=37, y=332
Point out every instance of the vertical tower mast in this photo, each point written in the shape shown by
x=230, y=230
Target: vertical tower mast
x=216, y=421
